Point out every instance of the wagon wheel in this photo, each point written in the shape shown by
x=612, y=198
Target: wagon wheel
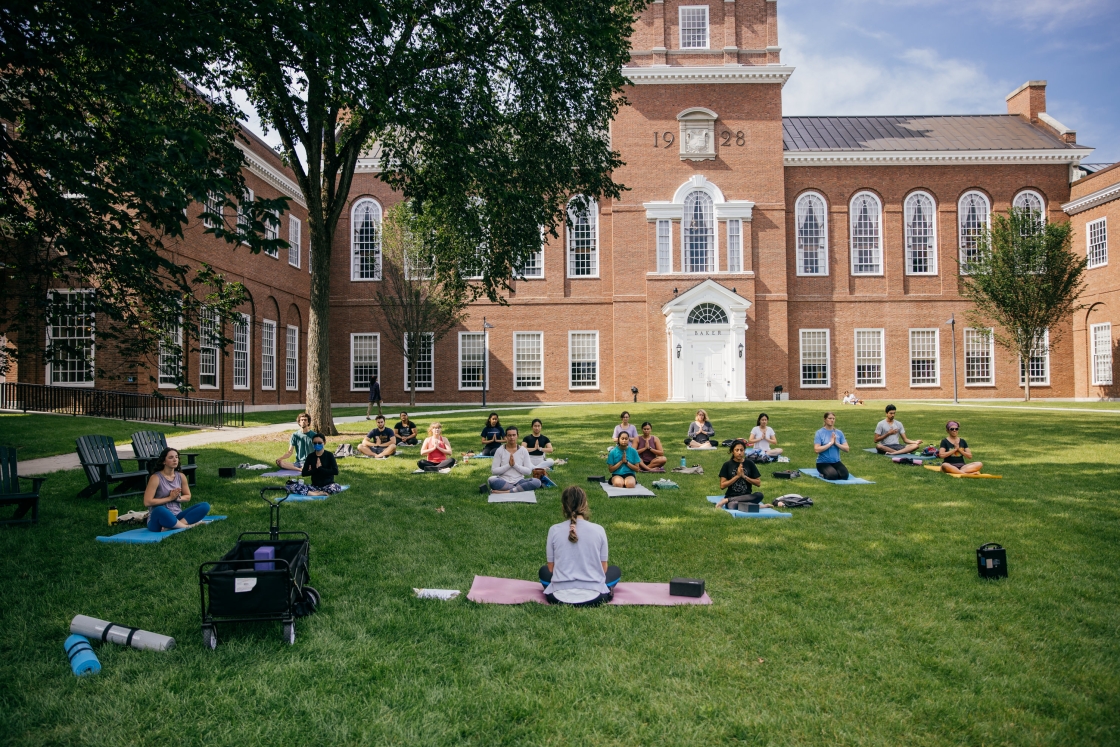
x=290, y=633
x=311, y=598
x=209, y=637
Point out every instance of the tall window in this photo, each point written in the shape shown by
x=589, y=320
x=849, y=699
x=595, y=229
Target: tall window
x=1098, y=242
x=698, y=233
x=1031, y=202
x=242, y=334
x=867, y=248
x=294, y=230
x=472, y=360
x=268, y=354
x=583, y=357
x=869, y=357
x=170, y=357
x=272, y=232
x=664, y=246
x=924, y=357
x=365, y=360
x=735, y=245
x=213, y=205
x=365, y=241
x=814, y=359
x=978, y=354
x=70, y=336
x=973, y=215
x=694, y=26
x=291, y=359
x=208, y=341
x=1101, y=335
x=534, y=265
x=528, y=360
x=812, y=235
x=921, y=234
x=244, y=220
x=1039, y=363
x=425, y=368
x=583, y=240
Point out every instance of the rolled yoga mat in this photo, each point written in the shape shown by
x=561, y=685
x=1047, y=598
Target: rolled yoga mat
x=108, y=632
x=82, y=659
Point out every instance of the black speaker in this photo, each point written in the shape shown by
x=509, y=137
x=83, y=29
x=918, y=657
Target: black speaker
x=227, y=471
x=991, y=561
x=686, y=587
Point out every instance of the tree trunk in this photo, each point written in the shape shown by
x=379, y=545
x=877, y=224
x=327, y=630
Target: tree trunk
x=1027, y=384
x=318, y=336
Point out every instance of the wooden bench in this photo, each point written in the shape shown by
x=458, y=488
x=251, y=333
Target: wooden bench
x=148, y=445
x=98, y=455
x=12, y=495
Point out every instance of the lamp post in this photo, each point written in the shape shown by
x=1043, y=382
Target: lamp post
x=953, y=333
x=486, y=327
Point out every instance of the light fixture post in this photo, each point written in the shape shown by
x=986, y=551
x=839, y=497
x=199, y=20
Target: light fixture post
x=486, y=327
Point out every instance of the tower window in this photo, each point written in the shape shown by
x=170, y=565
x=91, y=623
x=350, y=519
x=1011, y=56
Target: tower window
x=694, y=26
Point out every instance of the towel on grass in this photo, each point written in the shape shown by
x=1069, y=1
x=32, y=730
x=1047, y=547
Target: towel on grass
x=282, y=473
x=525, y=496
x=702, y=448
x=491, y=590
x=146, y=536
x=763, y=513
x=614, y=492
x=981, y=475
x=850, y=481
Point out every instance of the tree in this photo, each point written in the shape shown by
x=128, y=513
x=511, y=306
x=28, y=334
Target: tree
x=490, y=113
x=418, y=306
x=1024, y=280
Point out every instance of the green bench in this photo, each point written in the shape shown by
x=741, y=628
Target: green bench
x=12, y=495
x=148, y=445
x=98, y=455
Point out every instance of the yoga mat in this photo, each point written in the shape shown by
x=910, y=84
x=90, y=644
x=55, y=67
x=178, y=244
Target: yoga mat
x=763, y=513
x=547, y=483
x=297, y=498
x=110, y=632
x=525, y=496
x=614, y=492
x=491, y=590
x=702, y=448
x=282, y=473
x=981, y=475
x=913, y=454
x=850, y=481
x=82, y=659
x=146, y=536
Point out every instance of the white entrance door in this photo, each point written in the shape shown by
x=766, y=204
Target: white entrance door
x=708, y=364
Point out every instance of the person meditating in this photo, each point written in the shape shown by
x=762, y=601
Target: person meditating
x=828, y=442
x=436, y=451
x=954, y=452
x=850, y=399
x=625, y=427
x=622, y=460
x=512, y=469
x=890, y=436
x=650, y=454
x=576, y=550
x=322, y=468
x=739, y=477
x=165, y=493
x=406, y=431
x=381, y=442
x=762, y=437
x=700, y=432
x=538, y=446
x=299, y=444
x=492, y=435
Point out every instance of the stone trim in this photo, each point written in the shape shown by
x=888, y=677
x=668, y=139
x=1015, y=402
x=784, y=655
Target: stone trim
x=270, y=174
x=1101, y=196
x=935, y=158
x=707, y=75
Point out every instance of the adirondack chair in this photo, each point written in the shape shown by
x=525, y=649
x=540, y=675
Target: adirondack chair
x=98, y=455
x=147, y=445
x=10, y=493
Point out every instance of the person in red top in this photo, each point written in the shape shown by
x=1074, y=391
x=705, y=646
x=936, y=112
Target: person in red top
x=436, y=451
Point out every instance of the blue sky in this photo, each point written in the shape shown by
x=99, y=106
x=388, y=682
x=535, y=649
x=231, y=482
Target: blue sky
x=956, y=57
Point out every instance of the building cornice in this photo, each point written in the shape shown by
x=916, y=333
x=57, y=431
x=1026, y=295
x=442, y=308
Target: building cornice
x=935, y=158
x=1101, y=196
x=272, y=175
x=707, y=74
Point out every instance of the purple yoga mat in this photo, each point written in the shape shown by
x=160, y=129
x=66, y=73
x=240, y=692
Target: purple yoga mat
x=492, y=590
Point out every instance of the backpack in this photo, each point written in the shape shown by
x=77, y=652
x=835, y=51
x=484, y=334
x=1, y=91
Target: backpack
x=344, y=450
x=793, y=500
x=788, y=474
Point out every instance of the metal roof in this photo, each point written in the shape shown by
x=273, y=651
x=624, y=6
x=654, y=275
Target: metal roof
x=936, y=133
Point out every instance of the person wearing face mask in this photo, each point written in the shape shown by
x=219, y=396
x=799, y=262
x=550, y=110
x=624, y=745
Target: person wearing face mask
x=322, y=468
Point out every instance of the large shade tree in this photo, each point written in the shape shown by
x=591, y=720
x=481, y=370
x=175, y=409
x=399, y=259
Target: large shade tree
x=489, y=114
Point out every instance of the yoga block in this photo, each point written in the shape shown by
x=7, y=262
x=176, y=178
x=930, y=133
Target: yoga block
x=227, y=471
x=686, y=587
x=991, y=561
x=262, y=553
x=752, y=508
x=596, y=478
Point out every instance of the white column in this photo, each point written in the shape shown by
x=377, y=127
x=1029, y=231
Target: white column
x=739, y=365
x=674, y=333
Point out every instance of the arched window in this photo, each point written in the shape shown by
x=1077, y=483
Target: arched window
x=812, y=235
x=867, y=246
x=365, y=240
x=1031, y=202
x=583, y=240
x=707, y=313
x=920, y=214
x=698, y=233
x=973, y=214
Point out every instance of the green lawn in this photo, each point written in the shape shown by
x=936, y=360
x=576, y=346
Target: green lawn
x=35, y=435
x=858, y=621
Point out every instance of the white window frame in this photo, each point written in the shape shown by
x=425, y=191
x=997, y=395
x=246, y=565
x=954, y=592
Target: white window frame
x=663, y=235
x=882, y=335
x=707, y=26
x=1033, y=193
x=362, y=385
x=272, y=231
x=907, y=236
x=214, y=205
x=986, y=334
x=430, y=338
x=177, y=334
x=878, y=249
x=268, y=356
x=800, y=258
x=295, y=240
x=464, y=387
x=92, y=372
x=598, y=367
x=713, y=250
x=735, y=245
x=291, y=359
x=538, y=263
x=207, y=318
x=1045, y=380
x=593, y=224
x=987, y=224
x=516, y=363
x=242, y=216
x=827, y=359
x=1099, y=226
x=1101, y=361
x=355, y=275
x=243, y=327
x=936, y=358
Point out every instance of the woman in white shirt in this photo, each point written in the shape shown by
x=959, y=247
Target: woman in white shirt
x=763, y=438
x=512, y=468
x=577, y=572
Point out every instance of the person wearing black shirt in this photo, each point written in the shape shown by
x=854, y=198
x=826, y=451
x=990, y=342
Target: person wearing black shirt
x=538, y=446
x=954, y=452
x=379, y=443
x=406, y=431
x=493, y=435
x=739, y=477
x=322, y=468
x=374, y=396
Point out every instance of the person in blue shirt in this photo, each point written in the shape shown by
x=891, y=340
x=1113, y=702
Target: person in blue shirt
x=493, y=435
x=622, y=460
x=828, y=443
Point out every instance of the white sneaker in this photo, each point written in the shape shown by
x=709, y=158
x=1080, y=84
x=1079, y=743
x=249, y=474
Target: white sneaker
x=445, y=470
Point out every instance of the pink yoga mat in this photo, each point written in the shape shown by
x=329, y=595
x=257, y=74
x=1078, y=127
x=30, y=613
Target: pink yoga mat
x=492, y=590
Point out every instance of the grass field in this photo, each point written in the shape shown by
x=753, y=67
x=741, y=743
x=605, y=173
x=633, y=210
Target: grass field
x=858, y=621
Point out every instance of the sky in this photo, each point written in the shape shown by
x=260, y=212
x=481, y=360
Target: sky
x=911, y=57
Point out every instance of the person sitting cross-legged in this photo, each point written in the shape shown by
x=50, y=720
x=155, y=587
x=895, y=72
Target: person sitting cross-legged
x=622, y=461
x=739, y=477
x=322, y=468
x=379, y=443
x=890, y=436
x=165, y=493
x=625, y=426
x=762, y=438
x=493, y=435
x=512, y=469
x=576, y=550
x=406, y=431
x=954, y=452
x=299, y=444
x=436, y=451
x=651, y=455
x=700, y=432
x=539, y=446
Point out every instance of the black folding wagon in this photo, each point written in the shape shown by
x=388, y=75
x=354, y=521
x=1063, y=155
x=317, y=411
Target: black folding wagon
x=242, y=587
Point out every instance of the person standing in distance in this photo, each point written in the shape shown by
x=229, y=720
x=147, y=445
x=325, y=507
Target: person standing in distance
x=374, y=396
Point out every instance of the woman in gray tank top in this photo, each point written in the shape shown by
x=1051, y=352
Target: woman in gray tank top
x=167, y=490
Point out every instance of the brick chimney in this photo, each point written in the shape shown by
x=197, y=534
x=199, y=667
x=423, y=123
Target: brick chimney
x=1029, y=102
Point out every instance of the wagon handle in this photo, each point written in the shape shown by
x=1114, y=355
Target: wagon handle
x=274, y=509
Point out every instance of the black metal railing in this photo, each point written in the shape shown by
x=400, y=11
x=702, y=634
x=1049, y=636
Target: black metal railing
x=211, y=413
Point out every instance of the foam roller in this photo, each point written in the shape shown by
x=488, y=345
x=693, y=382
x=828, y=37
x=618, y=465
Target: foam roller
x=82, y=659
x=110, y=632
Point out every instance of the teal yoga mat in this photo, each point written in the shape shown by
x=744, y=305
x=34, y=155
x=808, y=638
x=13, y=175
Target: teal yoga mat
x=297, y=498
x=147, y=536
x=763, y=513
x=913, y=454
x=850, y=481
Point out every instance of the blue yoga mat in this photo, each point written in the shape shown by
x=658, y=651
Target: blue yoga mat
x=763, y=513
x=546, y=483
x=146, y=536
x=82, y=659
x=850, y=481
x=297, y=498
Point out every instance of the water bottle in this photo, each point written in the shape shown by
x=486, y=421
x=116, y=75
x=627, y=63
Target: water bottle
x=112, y=515
x=684, y=463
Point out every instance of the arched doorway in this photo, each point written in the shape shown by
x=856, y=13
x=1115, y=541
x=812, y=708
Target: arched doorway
x=706, y=328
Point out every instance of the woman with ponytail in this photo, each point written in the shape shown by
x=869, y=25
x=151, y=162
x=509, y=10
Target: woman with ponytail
x=577, y=572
